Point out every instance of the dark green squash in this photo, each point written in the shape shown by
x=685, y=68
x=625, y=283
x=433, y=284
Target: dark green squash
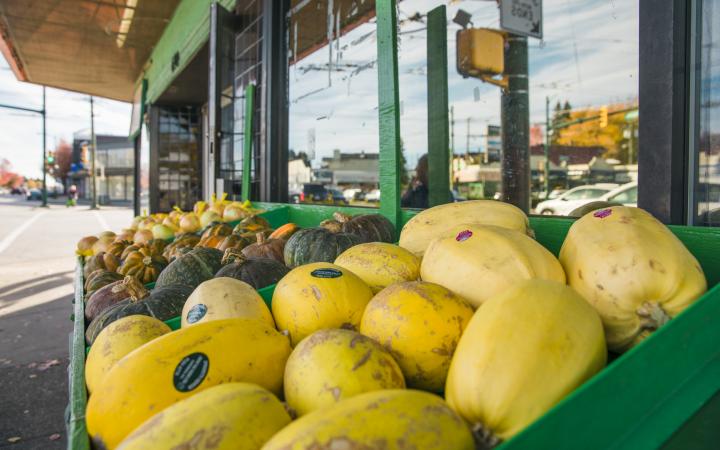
x=257, y=272
x=317, y=245
x=98, y=279
x=191, y=269
x=161, y=303
x=370, y=227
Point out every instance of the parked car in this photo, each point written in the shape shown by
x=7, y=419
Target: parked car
x=373, y=196
x=574, y=198
x=34, y=194
x=317, y=193
x=625, y=194
x=17, y=191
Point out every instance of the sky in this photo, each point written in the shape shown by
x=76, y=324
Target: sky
x=589, y=56
x=67, y=112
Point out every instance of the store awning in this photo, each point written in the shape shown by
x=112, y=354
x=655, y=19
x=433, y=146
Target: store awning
x=97, y=47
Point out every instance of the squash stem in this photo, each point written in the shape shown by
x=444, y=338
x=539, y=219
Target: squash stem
x=485, y=439
x=652, y=316
x=136, y=290
x=233, y=255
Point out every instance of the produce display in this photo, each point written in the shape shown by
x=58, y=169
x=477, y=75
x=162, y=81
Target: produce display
x=459, y=336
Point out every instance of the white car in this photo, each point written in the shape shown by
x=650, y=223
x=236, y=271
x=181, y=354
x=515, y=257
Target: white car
x=625, y=195
x=574, y=198
x=373, y=196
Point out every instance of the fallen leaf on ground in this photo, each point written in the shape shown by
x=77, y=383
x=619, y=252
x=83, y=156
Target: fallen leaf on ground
x=14, y=439
x=54, y=437
x=47, y=364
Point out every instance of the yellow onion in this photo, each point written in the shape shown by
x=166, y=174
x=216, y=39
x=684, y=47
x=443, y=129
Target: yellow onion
x=209, y=217
x=85, y=245
x=189, y=223
x=146, y=224
x=170, y=223
x=234, y=212
x=125, y=235
x=163, y=232
x=142, y=236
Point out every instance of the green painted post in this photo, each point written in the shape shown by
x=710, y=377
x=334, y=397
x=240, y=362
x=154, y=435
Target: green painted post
x=388, y=110
x=248, y=140
x=438, y=129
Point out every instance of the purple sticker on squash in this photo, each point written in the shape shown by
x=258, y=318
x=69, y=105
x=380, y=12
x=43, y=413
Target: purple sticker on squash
x=603, y=213
x=463, y=235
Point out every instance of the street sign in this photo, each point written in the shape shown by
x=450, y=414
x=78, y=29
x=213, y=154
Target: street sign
x=522, y=17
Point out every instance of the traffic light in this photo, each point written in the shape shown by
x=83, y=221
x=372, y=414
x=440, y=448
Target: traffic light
x=480, y=52
x=603, y=116
x=51, y=158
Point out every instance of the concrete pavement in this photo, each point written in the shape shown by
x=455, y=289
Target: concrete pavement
x=36, y=270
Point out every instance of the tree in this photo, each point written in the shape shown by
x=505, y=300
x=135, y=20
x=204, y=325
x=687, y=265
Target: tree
x=8, y=177
x=63, y=161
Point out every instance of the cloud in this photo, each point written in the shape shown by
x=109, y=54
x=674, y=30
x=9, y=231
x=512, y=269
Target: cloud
x=67, y=112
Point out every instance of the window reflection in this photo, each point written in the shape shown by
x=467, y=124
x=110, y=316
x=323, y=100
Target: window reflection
x=586, y=66
x=707, y=189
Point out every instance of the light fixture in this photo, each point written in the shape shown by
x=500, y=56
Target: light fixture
x=125, y=22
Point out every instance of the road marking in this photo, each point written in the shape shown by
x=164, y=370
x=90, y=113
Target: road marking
x=102, y=221
x=5, y=243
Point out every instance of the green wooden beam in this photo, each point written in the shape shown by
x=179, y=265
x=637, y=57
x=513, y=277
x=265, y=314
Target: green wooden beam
x=388, y=110
x=438, y=128
x=248, y=140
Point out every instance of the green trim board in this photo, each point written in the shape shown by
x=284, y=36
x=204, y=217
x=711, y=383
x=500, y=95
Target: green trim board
x=437, y=108
x=248, y=140
x=77, y=437
x=187, y=31
x=388, y=110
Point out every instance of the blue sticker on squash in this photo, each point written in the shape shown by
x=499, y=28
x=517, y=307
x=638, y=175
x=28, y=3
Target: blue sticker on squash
x=196, y=313
x=191, y=371
x=326, y=273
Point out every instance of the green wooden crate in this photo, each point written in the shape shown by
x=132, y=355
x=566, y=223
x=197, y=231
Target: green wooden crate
x=662, y=393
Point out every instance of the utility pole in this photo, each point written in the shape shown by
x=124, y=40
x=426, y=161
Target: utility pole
x=93, y=202
x=467, y=140
x=515, y=125
x=452, y=130
x=548, y=128
x=44, y=187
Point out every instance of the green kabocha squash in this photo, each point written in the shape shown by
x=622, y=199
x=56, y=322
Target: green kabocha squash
x=191, y=269
x=370, y=227
x=102, y=260
x=98, y=279
x=187, y=241
x=143, y=265
x=257, y=272
x=162, y=303
x=317, y=245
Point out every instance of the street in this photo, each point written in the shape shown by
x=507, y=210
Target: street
x=37, y=260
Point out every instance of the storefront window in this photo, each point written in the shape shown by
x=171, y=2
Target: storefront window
x=586, y=65
x=178, y=158
x=333, y=126
x=707, y=187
